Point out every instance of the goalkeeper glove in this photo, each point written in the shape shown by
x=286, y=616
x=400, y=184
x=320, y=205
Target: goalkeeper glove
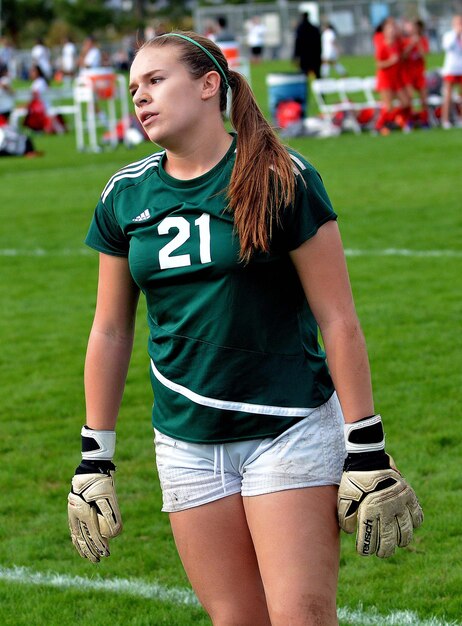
x=93, y=511
x=373, y=497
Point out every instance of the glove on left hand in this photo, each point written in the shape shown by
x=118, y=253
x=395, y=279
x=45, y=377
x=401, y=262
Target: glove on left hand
x=373, y=497
x=381, y=506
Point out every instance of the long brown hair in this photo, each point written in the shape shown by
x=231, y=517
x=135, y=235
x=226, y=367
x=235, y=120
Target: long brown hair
x=263, y=180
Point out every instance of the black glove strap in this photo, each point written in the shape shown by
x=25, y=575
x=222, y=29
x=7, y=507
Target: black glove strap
x=95, y=467
x=366, y=461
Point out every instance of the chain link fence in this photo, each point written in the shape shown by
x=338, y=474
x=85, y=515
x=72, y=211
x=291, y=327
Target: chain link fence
x=354, y=21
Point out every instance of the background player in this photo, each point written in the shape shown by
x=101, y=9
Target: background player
x=452, y=68
x=330, y=52
x=415, y=49
x=249, y=433
x=390, y=83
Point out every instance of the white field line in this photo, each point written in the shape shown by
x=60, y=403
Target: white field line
x=41, y=252
x=141, y=589
x=404, y=252
x=349, y=252
x=131, y=587
x=371, y=617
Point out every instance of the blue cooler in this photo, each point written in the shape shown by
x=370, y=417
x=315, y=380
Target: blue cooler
x=286, y=87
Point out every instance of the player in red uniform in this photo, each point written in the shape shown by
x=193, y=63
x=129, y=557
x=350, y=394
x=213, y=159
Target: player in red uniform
x=415, y=48
x=390, y=84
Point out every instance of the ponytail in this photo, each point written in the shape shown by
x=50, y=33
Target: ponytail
x=263, y=181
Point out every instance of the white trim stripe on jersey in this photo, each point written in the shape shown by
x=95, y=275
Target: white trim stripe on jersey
x=298, y=162
x=130, y=167
x=245, y=407
x=131, y=172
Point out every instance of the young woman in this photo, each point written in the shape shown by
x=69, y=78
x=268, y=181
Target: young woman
x=7, y=99
x=330, y=52
x=234, y=242
x=39, y=116
x=390, y=78
x=415, y=49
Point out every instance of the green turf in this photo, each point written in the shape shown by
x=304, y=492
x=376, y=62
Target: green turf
x=401, y=192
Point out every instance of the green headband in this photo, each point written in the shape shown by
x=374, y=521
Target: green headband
x=211, y=57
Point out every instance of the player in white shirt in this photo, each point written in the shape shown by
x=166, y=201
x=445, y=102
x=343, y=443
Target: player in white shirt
x=452, y=67
x=6, y=93
x=42, y=58
x=90, y=56
x=330, y=52
x=69, y=58
x=256, y=38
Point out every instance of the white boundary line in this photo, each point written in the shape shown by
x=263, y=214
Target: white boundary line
x=141, y=589
x=405, y=252
x=131, y=587
x=40, y=252
x=371, y=617
x=349, y=252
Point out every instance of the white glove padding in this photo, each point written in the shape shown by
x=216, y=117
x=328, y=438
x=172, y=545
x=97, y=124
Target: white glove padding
x=94, y=515
x=381, y=506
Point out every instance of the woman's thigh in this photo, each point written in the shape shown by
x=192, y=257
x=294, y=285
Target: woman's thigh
x=216, y=549
x=296, y=537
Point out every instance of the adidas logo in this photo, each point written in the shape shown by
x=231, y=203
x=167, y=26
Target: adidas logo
x=142, y=217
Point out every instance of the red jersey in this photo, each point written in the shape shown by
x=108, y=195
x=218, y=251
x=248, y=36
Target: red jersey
x=389, y=77
x=414, y=62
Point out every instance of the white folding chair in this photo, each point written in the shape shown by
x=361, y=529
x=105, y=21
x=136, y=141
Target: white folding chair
x=359, y=93
x=369, y=88
x=331, y=101
x=85, y=116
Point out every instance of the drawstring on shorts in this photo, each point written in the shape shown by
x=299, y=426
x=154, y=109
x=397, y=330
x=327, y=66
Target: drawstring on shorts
x=219, y=465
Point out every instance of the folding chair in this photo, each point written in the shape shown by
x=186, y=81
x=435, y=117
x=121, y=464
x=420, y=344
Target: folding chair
x=331, y=102
x=358, y=93
x=369, y=87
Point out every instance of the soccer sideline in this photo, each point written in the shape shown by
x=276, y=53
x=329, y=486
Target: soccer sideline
x=141, y=589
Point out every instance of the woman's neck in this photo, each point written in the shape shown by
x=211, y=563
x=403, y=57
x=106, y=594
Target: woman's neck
x=197, y=157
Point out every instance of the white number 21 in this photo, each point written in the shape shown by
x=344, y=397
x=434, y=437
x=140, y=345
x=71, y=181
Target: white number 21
x=184, y=233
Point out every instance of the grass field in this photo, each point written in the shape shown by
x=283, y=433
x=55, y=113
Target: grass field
x=399, y=206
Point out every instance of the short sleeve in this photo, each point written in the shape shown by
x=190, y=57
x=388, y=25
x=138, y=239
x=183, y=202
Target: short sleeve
x=312, y=208
x=105, y=233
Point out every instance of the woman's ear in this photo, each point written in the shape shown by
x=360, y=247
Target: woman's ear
x=210, y=85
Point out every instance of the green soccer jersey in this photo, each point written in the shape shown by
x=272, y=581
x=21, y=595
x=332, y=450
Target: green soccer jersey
x=234, y=347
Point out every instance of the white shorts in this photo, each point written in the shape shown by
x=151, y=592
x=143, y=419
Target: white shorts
x=309, y=454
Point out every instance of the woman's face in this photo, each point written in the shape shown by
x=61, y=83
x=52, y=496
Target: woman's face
x=168, y=100
x=390, y=30
x=457, y=24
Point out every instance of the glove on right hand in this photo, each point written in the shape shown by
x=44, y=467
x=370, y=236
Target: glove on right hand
x=94, y=515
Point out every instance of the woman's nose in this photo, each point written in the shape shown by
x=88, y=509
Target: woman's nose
x=141, y=99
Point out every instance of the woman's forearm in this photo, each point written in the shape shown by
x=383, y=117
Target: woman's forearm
x=106, y=367
x=349, y=367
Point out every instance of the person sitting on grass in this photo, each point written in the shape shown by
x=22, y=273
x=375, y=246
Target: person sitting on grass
x=39, y=116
